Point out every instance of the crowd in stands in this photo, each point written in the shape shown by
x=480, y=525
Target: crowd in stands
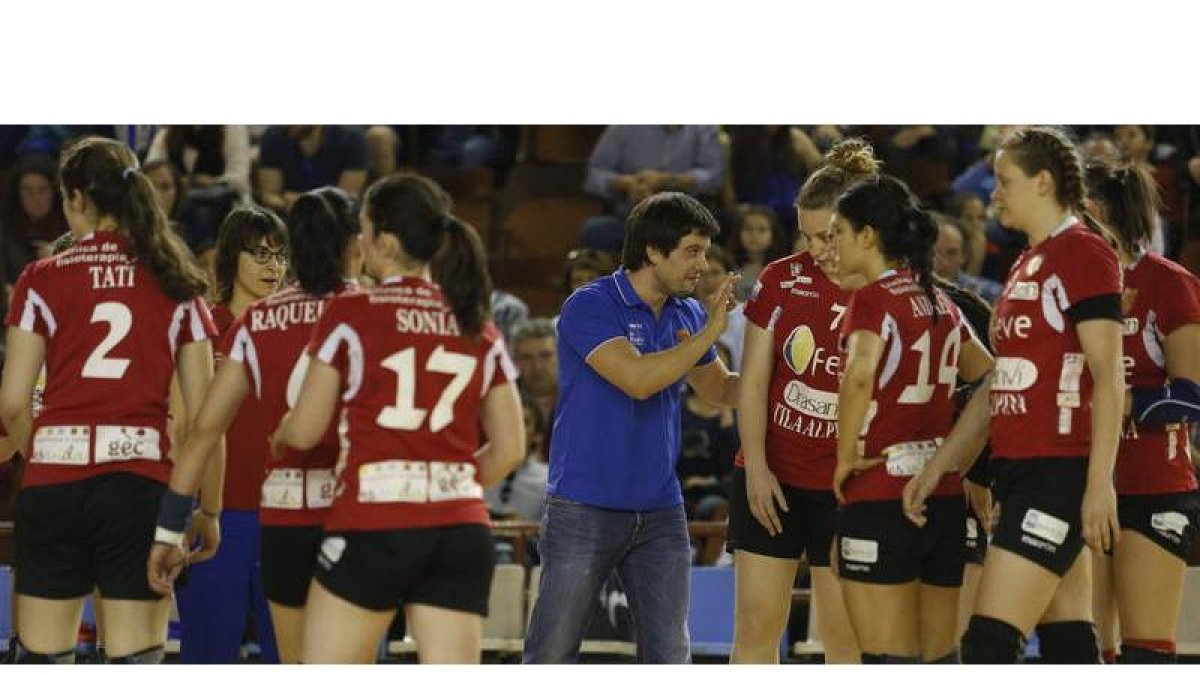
x=550, y=203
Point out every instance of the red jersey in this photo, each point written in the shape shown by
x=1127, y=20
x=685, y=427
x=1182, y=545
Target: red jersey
x=111, y=339
x=1041, y=394
x=246, y=439
x=412, y=386
x=269, y=340
x=1159, y=297
x=802, y=309
x=912, y=400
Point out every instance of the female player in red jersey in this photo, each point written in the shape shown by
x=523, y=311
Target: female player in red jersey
x=221, y=593
x=1054, y=404
x=1157, y=501
x=782, y=507
x=112, y=319
x=905, y=344
x=419, y=369
x=261, y=378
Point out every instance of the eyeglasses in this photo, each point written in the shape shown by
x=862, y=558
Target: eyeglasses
x=264, y=256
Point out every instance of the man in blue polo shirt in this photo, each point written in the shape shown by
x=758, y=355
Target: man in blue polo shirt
x=625, y=344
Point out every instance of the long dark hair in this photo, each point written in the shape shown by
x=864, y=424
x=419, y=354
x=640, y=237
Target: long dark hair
x=906, y=232
x=417, y=211
x=320, y=226
x=243, y=227
x=1129, y=199
x=106, y=171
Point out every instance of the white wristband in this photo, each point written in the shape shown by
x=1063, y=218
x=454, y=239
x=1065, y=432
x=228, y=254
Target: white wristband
x=169, y=537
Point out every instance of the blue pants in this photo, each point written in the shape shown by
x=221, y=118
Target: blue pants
x=221, y=593
x=580, y=546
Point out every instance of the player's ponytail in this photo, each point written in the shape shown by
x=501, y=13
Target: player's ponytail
x=417, y=211
x=321, y=224
x=460, y=268
x=107, y=172
x=1129, y=202
x=906, y=232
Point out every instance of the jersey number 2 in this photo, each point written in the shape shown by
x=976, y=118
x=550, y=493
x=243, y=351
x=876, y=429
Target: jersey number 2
x=405, y=415
x=120, y=322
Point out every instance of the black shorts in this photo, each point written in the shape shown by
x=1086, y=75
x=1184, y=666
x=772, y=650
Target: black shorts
x=1167, y=520
x=92, y=533
x=807, y=524
x=976, y=539
x=1040, y=501
x=289, y=556
x=877, y=544
x=448, y=567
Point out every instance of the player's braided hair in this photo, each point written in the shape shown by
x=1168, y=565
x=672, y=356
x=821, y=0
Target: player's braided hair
x=1048, y=149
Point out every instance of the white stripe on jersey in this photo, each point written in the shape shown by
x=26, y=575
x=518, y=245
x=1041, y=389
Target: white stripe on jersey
x=892, y=363
x=33, y=301
x=498, y=354
x=354, y=352
x=243, y=351
x=196, y=324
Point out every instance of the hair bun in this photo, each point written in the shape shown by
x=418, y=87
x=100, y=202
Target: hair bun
x=854, y=156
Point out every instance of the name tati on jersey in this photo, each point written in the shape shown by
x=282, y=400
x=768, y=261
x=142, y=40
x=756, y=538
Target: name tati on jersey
x=108, y=266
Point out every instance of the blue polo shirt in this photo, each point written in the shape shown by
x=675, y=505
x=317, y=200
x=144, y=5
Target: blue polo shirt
x=607, y=448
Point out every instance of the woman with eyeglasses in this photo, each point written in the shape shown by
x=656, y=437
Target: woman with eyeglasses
x=111, y=319
x=220, y=593
x=261, y=380
x=782, y=506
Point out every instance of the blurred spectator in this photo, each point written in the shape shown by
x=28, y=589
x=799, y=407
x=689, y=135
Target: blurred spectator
x=508, y=311
x=536, y=356
x=48, y=139
x=295, y=159
x=584, y=265
x=949, y=258
x=632, y=162
x=468, y=146
x=523, y=492
x=767, y=164
x=383, y=152
x=978, y=177
x=31, y=213
x=169, y=188
x=757, y=238
x=214, y=164
x=924, y=156
x=971, y=213
x=720, y=263
x=206, y=155
x=1100, y=146
x=708, y=443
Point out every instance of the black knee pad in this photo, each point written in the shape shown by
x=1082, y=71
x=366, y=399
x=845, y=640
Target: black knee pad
x=989, y=640
x=1135, y=654
x=949, y=657
x=151, y=656
x=880, y=659
x=1069, y=642
x=22, y=656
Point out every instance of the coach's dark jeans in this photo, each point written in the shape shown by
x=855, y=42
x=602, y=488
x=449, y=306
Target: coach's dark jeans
x=580, y=547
